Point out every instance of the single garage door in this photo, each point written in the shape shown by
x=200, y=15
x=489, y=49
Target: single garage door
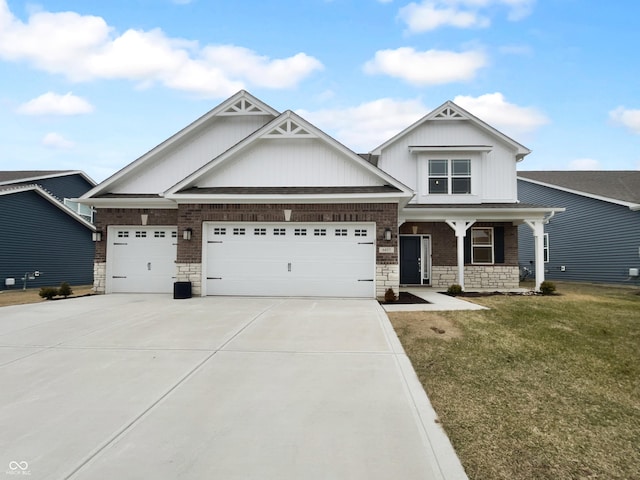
x=290, y=259
x=141, y=259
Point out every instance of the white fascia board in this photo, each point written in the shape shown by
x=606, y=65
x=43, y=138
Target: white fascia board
x=479, y=214
x=229, y=154
x=281, y=199
x=51, y=199
x=216, y=111
x=161, y=203
x=630, y=205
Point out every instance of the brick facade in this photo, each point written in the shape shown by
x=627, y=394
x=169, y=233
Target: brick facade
x=189, y=258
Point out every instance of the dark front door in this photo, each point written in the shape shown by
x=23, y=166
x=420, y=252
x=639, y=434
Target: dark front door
x=410, y=260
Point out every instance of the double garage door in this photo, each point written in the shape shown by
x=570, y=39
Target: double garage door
x=289, y=259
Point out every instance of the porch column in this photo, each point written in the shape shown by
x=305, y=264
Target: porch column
x=460, y=227
x=538, y=236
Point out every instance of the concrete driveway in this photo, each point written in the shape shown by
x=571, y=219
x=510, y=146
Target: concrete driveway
x=144, y=386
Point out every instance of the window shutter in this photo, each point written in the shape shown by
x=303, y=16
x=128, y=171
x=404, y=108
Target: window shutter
x=498, y=233
x=467, y=247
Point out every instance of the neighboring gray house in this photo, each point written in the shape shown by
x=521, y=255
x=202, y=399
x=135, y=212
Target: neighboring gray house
x=42, y=230
x=597, y=238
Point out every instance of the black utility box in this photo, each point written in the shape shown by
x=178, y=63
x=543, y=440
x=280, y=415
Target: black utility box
x=181, y=290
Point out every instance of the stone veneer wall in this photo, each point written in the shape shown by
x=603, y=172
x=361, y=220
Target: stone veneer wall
x=99, y=276
x=190, y=272
x=387, y=276
x=490, y=276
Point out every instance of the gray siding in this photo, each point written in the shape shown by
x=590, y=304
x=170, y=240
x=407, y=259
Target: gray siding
x=596, y=241
x=36, y=235
x=68, y=186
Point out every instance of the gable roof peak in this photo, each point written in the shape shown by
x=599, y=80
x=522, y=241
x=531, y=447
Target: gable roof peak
x=243, y=103
x=452, y=111
x=448, y=111
x=289, y=125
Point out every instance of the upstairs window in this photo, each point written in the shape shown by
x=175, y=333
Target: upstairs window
x=450, y=176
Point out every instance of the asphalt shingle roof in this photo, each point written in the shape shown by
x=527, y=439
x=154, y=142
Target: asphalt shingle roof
x=18, y=175
x=623, y=185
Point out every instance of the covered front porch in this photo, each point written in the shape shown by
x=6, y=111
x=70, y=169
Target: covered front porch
x=470, y=245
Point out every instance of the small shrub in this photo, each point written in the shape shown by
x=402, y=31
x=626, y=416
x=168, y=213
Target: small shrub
x=65, y=290
x=48, y=292
x=547, y=287
x=390, y=295
x=454, y=289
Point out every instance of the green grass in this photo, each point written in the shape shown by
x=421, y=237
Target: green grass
x=538, y=387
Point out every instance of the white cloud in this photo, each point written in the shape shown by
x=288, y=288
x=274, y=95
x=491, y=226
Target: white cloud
x=627, y=118
x=429, y=67
x=584, y=164
x=429, y=16
x=53, y=104
x=432, y=14
x=364, y=127
x=84, y=48
x=55, y=140
x=509, y=118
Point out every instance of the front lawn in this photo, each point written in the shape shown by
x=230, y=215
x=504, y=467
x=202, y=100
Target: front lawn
x=537, y=387
x=18, y=296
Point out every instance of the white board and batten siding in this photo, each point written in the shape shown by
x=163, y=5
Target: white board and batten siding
x=180, y=160
x=298, y=162
x=289, y=259
x=141, y=259
x=493, y=173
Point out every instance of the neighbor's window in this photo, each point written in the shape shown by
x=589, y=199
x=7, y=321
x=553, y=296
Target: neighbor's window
x=450, y=176
x=482, y=245
x=546, y=247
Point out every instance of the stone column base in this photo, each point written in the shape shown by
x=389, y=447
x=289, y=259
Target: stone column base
x=387, y=276
x=99, y=276
x=190, y=272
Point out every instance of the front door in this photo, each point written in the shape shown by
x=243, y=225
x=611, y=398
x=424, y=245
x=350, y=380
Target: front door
x=410, y=266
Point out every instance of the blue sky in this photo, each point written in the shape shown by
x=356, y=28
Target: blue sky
x=93, y=85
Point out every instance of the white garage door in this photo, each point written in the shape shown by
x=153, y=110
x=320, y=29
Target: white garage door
x=290, y=259
x=141, y=259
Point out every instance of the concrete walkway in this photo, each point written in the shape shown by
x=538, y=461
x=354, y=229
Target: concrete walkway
x=144, y=386
x=439, y=301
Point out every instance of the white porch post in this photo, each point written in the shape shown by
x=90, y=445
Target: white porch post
x=460, y=227
x=538, y=236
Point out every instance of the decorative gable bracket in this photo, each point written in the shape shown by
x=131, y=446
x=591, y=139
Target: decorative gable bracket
x=288, y=129
x=244, y=106
x=448, y=113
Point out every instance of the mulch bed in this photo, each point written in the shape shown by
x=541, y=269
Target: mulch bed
x=406, y=298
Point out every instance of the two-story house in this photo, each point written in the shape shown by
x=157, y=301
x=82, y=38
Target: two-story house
x=250, y=201
x=42, y=230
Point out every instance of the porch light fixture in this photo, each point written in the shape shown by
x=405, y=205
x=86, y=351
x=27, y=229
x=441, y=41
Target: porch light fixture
x=387, y=234
x=186, y=234
x=96, y=236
